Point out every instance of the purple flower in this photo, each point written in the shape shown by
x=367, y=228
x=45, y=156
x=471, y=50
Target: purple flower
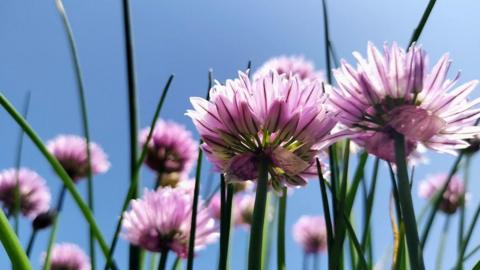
x=160, y=221
x=290, y=66
x=311, y=234
x=171, y=149
x=66, y=256
x=453, y=197
x=34, y=193
x=394, y=92
x=272, y=117
x=71, y=152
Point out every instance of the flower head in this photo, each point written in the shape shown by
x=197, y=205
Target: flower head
x=71, y=152
x=394, y=93
x=310, y=233
x=453, y=197
x=34, y=194
x=290, y=66
x=160, y=221
x=273, y=117
x=171, y=148
x=68, y=256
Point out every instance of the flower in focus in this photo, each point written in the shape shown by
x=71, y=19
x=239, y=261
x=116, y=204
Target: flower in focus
x=311, y=234
x=290, y=66
x=171, y=149
x=71, y=152
x=453, y=197
x=68, y=256
x=33, y=192
x=273, y=118
x=160, y=221
x=394, y=93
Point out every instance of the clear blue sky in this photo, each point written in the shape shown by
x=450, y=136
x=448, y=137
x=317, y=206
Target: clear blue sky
x=187, y=38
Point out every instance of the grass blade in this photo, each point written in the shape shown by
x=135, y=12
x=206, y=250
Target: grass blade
x=12, y=245
x=84, y=116
x=18, y=161
x=198, y=174
x=467, y=238
x=132, y=189
x=67, y=181
x=326, y=213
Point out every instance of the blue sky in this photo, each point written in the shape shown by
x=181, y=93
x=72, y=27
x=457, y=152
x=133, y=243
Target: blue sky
x=187, y=38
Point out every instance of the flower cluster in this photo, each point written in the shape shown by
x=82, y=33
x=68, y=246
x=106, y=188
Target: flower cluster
x=160, y=221
x=33, y=193
x=66, y=256
x=71, y=152
x=311, y=234
x=290, y=66
x=275, y=117
x=393, y=93
x=453, y=197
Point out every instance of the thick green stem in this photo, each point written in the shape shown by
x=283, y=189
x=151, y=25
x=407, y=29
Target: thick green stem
x=256, y=232
x=406, y=205
x=12, y=246
x=326, y=213
x=282, y=213
x=225, y=222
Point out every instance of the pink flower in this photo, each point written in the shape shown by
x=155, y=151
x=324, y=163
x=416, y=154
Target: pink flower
x=34, y=194
x=311, y=234
x=160, y=221
x=393, y=92
x=171, y=149
x=290, y=66
x=273, y=117
x=71, y=152
x=453, y=197
x=68, y=256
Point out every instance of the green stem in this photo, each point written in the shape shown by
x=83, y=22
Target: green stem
x=132, y=189
x=84, y=116
x=196, y=192
x=134, y=251
x=177, y=265
x=327, y=41
x=466, y=240
x=443, y=240
x=153, y=261
x=326, y=212
x=406, y=204
x=67, y=181
x=163, y=260
x=256, y=232
x=193, y=227
x=31, y=240
x=421, y=24
x=18, y=161
x=282, y=213
x=466, y=178
x=51, y=240
x=226, y=212
x=12, y=246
